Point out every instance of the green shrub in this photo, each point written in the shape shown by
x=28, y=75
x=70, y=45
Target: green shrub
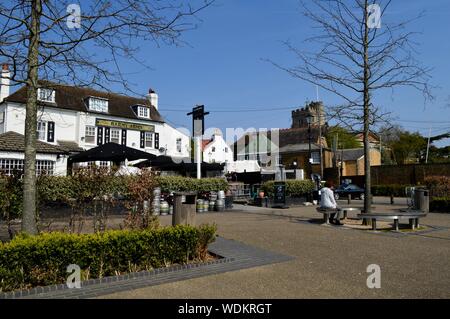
x=29, y=261
x=439, y=186
x=440, y=204
x=181, y=184
x=11, y=196
x=294, y=188
x=55, y=189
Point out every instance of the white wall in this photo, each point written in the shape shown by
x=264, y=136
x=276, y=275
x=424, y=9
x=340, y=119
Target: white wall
x=60, y=163
x=219, y=155
x=65, y=121
x=168, y=139
x=70, y=126
x=2, y=118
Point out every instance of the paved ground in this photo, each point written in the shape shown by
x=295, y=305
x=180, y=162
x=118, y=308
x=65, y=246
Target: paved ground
x=329, y=261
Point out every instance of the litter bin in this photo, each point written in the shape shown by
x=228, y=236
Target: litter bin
x=422, y=200
x=184, y=208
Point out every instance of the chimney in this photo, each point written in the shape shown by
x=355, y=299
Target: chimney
x=4, y=82
x=153, y=98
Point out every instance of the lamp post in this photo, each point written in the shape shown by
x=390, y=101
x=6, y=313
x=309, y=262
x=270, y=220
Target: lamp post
x=309, y=119
x=294, y=165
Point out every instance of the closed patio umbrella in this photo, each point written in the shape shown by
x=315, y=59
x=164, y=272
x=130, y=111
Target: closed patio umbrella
x=110, y=152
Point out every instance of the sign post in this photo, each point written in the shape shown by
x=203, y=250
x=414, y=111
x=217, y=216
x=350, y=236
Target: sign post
x=279, y=198
x=198, y=129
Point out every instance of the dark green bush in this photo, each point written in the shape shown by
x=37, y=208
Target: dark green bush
x=11, y=195
x=294, y=188
x=440, y=204
x=88, y=184
x=178, y=183
x=439, y=186
x=29, y=261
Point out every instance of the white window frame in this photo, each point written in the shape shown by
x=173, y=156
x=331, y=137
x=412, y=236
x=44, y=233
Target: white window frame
x=40, y=131
x=143, y=112
x=111, y=135
x=9, y=165
x=45, y=167
x=94, y=129
x=97, y=104
x=149, y=138
x=46, y=95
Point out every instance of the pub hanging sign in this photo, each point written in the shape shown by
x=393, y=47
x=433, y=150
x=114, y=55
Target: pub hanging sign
x=125, y=125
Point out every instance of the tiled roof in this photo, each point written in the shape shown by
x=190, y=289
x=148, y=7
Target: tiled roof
x=74, y=98
x=292, y=148
x=15, y=142
x=289, y=136
x=70, y=146
x=205, y=143
x=351, y=154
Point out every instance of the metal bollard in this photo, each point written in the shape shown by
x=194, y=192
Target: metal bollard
x=349, y=199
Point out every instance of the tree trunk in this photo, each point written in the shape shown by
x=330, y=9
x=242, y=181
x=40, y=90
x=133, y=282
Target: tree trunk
x=367, y=193
x=29, y=182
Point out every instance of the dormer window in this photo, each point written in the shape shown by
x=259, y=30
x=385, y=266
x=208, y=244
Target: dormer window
x=143, y=112
x=46, y=95
x=98, y=104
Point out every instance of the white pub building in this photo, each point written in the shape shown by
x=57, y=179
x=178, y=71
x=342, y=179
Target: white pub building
x=72, y=119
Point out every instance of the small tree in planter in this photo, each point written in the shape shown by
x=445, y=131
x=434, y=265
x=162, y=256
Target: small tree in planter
x=140, y=194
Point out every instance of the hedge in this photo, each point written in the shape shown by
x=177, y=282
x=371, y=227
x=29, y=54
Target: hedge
x=180, y=184
x=85, y=187
x=440, y=204
x=439, y=186
x=294, y=188
x=29, y=261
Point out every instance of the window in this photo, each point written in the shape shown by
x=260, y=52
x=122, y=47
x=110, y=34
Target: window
x=8, y=166
x=98, y=105
x=89, y=135
x=41, y=131
x=213, y=149
x=179, y=145
x=115, y=136
x=44, y=167
x=2, y=117
x=226, y=149
x=46, y=95
x=315, y=157
x=143, y=112
x=103, y=164
x=148, y=139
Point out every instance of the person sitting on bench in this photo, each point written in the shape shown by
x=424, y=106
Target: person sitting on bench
x=328, y=202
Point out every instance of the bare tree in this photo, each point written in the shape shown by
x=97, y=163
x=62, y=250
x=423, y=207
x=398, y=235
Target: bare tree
x=359, y=53
x=82, y=44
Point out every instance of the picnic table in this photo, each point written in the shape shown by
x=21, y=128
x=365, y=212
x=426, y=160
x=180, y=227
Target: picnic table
x=412, y=216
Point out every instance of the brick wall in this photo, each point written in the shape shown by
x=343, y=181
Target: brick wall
x=412, y=174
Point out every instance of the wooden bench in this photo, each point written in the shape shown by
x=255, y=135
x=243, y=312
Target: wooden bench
x=413, y=217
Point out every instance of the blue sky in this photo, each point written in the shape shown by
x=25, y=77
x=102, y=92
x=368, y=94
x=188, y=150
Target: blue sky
x=224, y=67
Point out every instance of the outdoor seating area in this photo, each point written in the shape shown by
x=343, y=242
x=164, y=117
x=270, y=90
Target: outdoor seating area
x=413, y=218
